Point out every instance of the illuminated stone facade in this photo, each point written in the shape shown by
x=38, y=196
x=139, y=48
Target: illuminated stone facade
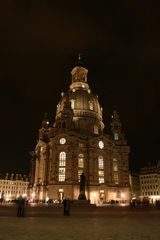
x=135, y=185
x=76, y=143
x=150, y=182
x=12, y=186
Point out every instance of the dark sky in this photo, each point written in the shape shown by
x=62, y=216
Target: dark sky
x=39, y=44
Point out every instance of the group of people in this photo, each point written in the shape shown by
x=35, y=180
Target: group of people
x=66, y=202
x=21, y=207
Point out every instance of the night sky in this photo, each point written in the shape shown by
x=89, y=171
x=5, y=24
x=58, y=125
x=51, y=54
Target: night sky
x=39, y=44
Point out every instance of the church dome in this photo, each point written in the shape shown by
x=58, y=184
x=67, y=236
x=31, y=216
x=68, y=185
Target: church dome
x=84, y=104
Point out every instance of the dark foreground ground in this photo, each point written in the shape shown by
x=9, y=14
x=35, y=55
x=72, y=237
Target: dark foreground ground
x=84, y=223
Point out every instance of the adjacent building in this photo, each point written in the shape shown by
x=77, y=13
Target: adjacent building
x=135, y=185
x=150, y=182
x=12, y=186
x=75, y=143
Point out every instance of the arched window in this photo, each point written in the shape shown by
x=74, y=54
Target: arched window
x=115, y=171
x=62, y=156
x=101, y=169
x=81, y=161
x=90, y=105
x=100, y=162
x=62, y=165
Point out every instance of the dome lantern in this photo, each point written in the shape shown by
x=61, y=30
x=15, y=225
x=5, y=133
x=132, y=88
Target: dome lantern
x=79, y=76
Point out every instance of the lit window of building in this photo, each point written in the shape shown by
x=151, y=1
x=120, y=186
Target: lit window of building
x=115, y=176
x=101, y=173
x=62, y=164
x=116, y=136
x=81, y=161
x=115, y=165
x=101, y=179
x=90, y=105
x=100, y=169
x=101, y=176
x=81, y=144
x=115, y=171
x=62, y=174
x=95, y=129
x=100, y=162
x=62, y=159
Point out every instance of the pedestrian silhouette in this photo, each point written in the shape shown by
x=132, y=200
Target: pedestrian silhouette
x=66, y=207
x=20, y=206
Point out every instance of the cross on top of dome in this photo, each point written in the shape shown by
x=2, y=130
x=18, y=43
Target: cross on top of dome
x=80, y=62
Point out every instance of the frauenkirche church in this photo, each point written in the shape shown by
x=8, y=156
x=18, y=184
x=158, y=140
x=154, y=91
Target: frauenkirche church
x=76, y=144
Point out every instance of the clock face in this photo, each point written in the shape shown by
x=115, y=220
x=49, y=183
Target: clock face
x=101, y=144
x=62, y=141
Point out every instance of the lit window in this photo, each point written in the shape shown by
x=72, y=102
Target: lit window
x=81, y=144
x=62, y=141
x=101, y=179
x=115, y=165
x=116, y=136
x=41, y=149
x=95, y=129
x=101, y=166
x=62, y=164
x=101, y=173
x=100, y=162
x=115, y=176
x=62, y=156
x=90, y=105
x=81, y=161
x=62, y=159
x=62, y=174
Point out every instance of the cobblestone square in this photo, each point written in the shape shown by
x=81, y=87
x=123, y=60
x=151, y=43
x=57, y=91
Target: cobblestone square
x=98, y=224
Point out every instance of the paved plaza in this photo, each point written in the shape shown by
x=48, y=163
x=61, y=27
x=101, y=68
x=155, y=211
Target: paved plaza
x=96, y=223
